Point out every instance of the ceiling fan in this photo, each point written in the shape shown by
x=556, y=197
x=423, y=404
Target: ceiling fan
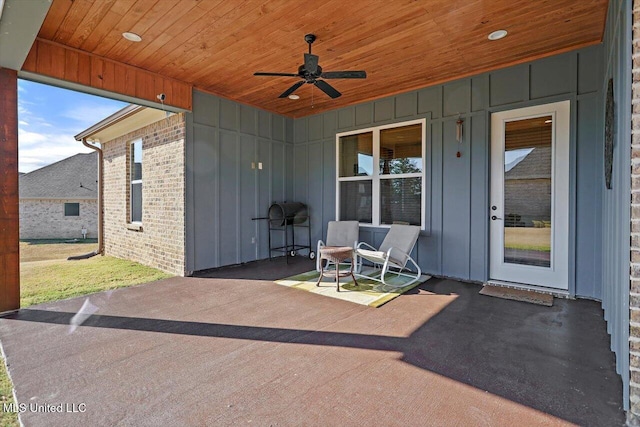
x=310, y=72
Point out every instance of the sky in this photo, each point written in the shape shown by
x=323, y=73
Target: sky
x=48, y=119
x=513, y=157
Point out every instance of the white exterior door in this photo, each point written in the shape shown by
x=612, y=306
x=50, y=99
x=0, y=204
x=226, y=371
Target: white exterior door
x=529, y=212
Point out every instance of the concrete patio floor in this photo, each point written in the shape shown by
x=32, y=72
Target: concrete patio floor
x=234, y=348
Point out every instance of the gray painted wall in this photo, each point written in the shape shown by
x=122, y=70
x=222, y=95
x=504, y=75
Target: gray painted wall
x=615, y=213
x=225, y=187
x=456, y=242
x=298, y=156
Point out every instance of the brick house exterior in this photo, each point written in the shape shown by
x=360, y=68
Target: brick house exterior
x=159, y=239
x=58, y=201
x=45, y=219
x=528, y=188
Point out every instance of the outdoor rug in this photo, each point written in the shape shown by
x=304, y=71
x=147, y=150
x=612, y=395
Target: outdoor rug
x=367, y=292
x=517, y=295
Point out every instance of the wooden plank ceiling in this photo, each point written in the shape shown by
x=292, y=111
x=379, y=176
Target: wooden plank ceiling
x=217, y=45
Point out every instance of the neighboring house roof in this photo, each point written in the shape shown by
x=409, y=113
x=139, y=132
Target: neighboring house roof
x=536, y=164
x=72, y=178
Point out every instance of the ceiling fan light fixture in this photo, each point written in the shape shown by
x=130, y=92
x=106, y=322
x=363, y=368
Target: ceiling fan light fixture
x=132, y=37
x=497, y=35
x=294, y=96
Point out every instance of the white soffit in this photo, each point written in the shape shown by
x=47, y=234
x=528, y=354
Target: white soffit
x=130, y=123
x=20, y=22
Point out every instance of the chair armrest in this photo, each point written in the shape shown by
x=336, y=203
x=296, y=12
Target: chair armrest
x=361, y=244
x=392, y=255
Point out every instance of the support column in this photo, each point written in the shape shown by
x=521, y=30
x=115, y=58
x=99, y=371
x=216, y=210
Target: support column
x=9, y=208
x=633, y=415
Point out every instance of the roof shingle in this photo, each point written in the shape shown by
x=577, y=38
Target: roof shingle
x=72, y=178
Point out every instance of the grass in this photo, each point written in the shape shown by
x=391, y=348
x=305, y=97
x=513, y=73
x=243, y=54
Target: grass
x=531, y=239
x=40, y=250
x=7, y=419
x=53, y=280
x=46, y=275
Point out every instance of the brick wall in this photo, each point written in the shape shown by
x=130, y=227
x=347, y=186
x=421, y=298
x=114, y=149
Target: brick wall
x=161, y=241
x=633, y=415
x=44, y=219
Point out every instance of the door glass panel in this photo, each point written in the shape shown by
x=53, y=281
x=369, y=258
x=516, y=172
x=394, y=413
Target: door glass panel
x=527, y=191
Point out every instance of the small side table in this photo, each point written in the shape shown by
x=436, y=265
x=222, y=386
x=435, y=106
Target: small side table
x=336, y=254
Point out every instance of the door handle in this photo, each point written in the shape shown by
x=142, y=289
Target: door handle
x=495, y=217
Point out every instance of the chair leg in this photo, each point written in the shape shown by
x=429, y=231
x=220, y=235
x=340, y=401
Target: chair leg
x=352, y=276
x=385, y=268
x=321, y=274
x=337, y=277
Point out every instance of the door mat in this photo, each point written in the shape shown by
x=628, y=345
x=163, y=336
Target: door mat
x=367, y=292
x=517, y=295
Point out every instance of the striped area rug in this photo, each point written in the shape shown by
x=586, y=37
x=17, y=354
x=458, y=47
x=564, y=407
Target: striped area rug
x=367, y=292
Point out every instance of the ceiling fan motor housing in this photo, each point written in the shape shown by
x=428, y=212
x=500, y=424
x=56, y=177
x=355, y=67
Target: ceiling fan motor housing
x=309, y=77
x=310, y=72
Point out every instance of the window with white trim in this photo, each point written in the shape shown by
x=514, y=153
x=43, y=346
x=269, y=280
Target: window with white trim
x=135, y=180
x=381, y=174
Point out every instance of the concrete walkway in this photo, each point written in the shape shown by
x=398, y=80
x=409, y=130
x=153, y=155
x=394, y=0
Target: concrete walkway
x=235, y=350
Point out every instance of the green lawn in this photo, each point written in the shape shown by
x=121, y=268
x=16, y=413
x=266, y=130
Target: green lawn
x=46, y=275
x=528, y=238
x=7, y=419
x=40, y=250
x=42, y=281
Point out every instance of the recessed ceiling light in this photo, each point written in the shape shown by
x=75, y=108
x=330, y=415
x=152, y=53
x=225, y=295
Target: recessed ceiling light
x=294, y=96
x=132, y=37
x=497, y=35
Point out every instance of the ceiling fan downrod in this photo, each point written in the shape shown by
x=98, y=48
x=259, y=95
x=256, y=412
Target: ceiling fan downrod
x=310, y=38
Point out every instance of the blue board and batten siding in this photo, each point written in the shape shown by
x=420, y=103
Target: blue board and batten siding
x=298, y=157
x=455, y=243
x=615, y=212
x=226, y=141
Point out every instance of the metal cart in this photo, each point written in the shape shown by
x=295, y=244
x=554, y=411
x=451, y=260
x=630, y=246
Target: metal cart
x=285, y=217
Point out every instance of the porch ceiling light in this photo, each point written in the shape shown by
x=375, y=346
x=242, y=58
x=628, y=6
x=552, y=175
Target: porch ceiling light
x=294, y=96
x=497, y=35
x=132, y=37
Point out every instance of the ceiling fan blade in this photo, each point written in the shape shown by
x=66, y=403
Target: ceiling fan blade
x=311, y=63
x=276, y=74
x=344, y=75
x=291, y=89
x=327, y=88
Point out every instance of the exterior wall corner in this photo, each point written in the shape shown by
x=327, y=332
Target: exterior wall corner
x=160, y=241
x=633, y=415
